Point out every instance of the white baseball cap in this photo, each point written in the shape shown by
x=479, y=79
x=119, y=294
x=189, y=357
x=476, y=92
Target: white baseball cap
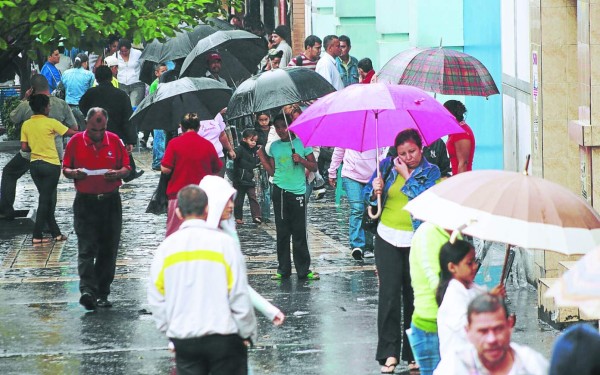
x=111, y=61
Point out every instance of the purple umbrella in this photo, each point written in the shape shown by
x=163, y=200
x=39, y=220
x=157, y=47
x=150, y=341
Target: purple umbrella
x=365, y=117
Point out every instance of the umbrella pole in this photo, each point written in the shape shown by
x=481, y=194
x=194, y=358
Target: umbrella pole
x=370, y=209
x=504, y=270
x=287, y=128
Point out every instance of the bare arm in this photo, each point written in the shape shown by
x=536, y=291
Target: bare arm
x=224, y=139
x=463, y=150
x=165, y=170
x=25, y=147
x=266, y=161
x=309, y=163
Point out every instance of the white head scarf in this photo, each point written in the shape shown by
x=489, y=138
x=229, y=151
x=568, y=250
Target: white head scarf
x=218, y=191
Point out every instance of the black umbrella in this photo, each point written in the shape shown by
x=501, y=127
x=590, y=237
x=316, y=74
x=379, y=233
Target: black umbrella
x=276, y=88
x=174, y=48
x=164, y=107
x=240, y=52
x=220, y=24
x=177, y=47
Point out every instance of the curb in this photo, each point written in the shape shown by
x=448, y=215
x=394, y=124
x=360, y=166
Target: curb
x=10, y=146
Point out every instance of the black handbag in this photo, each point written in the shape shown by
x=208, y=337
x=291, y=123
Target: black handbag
x=368, y=224
x=159, y=202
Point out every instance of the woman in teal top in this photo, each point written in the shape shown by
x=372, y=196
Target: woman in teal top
x=407, y=176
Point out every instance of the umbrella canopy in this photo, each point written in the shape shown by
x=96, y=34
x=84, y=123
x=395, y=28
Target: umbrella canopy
x=512, y=208
x=580, y=286
x=240, y=52
x=439, y=70
x=276, y=88
x=177, y=47
x=348, y=118
x=163, y=108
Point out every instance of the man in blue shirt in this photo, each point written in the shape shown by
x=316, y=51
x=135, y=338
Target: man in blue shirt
x=346, y=64
x=49, y=70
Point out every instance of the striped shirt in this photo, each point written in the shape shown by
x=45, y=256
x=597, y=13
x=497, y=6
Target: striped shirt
x=306, y=62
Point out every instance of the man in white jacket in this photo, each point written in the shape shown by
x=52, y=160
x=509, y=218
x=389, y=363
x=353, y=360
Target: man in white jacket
x=489, y=330
x=199, y=293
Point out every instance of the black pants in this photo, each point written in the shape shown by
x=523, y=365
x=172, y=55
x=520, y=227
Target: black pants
x=396, y=301
x=238, y=208
x=290, y=221
x=12, y=171
x=45, y=177
x=97, y=223
x=213, y=354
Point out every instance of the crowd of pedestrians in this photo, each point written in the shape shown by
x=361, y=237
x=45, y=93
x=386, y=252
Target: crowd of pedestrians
x=427, y=297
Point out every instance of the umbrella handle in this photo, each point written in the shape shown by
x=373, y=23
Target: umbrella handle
x=370, y=209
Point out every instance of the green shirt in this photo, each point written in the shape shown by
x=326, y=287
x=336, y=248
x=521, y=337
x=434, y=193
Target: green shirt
x=424, y=260
x=153, y=87
x=394, y=215
x=289, y=176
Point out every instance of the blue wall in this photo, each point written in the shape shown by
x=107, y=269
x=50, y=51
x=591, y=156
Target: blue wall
x=482, y=39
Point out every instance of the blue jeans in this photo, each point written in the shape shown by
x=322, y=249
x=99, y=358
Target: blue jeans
x=426, y=349
x=158, y=148
x=356, y=234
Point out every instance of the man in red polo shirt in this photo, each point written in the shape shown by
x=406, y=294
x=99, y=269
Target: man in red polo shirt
x=97, y=160
x=188, y=158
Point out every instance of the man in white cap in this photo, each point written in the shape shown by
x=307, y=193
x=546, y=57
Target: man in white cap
x=112, y=62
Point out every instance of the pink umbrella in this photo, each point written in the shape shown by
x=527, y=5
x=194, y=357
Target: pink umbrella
x=365, y=117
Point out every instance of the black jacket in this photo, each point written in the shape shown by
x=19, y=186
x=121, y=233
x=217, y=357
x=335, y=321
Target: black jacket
x=117, y=104
x=243, y=165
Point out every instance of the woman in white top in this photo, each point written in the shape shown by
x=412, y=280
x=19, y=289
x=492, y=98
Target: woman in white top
x=129, y=72
x=455, y=291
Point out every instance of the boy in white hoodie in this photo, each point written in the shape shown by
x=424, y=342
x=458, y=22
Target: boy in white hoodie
x=199, y=293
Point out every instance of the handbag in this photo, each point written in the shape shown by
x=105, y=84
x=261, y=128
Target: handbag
x=59, y=91
x=159, y=202
x=367, y=223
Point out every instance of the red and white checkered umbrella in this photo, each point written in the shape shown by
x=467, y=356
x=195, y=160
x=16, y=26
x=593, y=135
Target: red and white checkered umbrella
x=439, y=70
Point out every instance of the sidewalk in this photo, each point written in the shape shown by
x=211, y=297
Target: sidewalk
x=330, y=326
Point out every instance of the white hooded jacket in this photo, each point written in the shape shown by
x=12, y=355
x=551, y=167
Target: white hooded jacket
x=219, y=192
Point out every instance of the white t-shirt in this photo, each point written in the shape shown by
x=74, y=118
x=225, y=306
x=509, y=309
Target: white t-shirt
x=211, y=130
x=129, y=71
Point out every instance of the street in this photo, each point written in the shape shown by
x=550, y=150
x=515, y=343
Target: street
x=330, y=325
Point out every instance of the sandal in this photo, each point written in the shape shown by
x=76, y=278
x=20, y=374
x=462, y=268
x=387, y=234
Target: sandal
x=413, y=367
x=40, y=241
x=257, y=220
x=60, y=237
x=389, y=368
x=239, y=221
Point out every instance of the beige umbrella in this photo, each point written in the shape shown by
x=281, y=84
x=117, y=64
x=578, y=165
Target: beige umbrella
x=513, y=208
x=580, y=286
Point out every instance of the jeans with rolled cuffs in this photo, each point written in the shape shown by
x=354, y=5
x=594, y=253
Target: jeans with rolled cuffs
x=426, y=349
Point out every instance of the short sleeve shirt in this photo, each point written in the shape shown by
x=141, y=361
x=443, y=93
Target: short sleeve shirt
x=289, y=176
x=81, y=152
x=211, y=130
x=190, y=157
x=39, y=132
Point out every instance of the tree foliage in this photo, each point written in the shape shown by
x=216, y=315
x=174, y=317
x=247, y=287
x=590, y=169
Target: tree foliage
x=39, y=25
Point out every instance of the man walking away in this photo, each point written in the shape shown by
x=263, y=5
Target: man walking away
x=97, y=207
x=198, y=291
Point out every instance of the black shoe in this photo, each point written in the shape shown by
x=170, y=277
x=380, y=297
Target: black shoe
x=88, y=301
x=133, y=175
x=103, y=302
x=156, y=169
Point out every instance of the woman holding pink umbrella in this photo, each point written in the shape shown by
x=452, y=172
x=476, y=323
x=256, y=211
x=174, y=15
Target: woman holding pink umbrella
x=402, y=179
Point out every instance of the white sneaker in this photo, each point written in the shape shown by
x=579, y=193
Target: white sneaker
x=368, y=254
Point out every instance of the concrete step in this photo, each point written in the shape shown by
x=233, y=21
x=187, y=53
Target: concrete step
x=564, y=266
x=549, y=312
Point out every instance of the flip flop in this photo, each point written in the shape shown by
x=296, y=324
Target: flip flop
x=60, y=237
x=413, y=367
x=40, y=241
x=389, y=368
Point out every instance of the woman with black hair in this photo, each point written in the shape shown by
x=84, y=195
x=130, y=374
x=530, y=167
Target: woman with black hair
x=461, y=147
x=77, y=81
x=37, y=137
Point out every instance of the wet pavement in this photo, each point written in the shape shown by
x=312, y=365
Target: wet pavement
x=330, y=326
